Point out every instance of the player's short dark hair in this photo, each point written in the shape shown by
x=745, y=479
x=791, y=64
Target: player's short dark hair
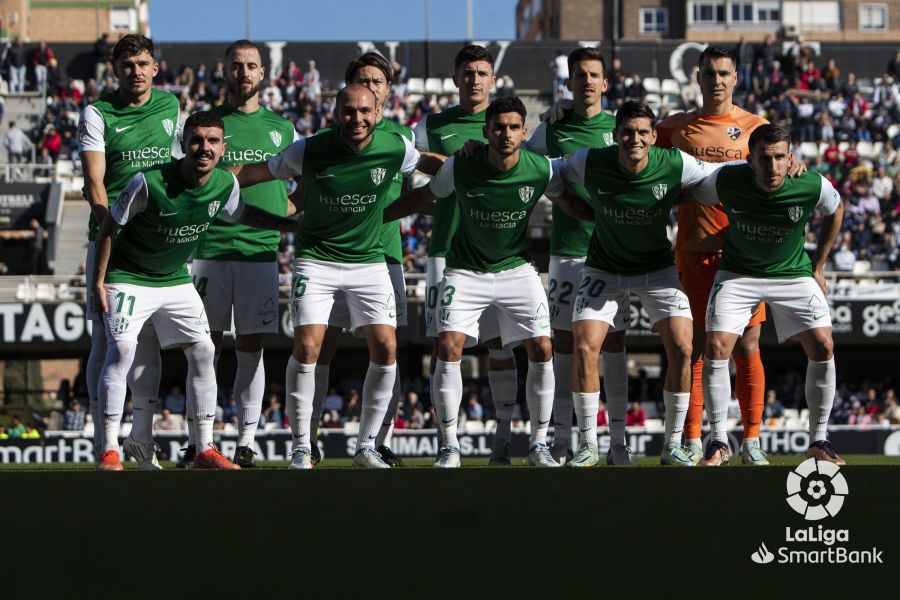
x=768, y=134
x=505, y=105
x=634, y=110
x=132, y=45
x=589, y=53
x=204, y=118
x=716, y=52
x=241, y=45
x=342, y=95
x=472, y=53
x=369, y=59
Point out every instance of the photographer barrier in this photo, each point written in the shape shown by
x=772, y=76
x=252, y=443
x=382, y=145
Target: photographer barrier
x=275, y=445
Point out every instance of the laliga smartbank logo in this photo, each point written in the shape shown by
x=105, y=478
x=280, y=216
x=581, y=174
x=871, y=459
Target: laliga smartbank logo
x=816, y=490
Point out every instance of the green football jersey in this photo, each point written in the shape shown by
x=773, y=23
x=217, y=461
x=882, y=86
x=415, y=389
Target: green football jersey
x=162, y=220
x=632, y=210
x=250, y=138
x=569, y=236
x=445, y=133
x=766, y=231
x=345, y=193
x=134, y=138
x=393, y=250
x=494, y=208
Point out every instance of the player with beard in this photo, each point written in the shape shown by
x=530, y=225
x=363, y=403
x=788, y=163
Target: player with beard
x=123, y=133
x=231, y=254
x=140, y=274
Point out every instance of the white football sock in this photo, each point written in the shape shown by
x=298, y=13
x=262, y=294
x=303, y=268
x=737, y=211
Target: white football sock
x=201, y=386
x=190, y=408
x=322, y=381
x=504, y=389
x=143, y=380
x=676, y=404
x=587, y=406
x=716, y=394
x=615, y=384
x=249, y=387
x=376, y=396
x=387, y=425
x=92, y=369
x=562, y=399
x=820, y=389
x=300, y=385
x=449, y=387
x=111, y=391
x=539, y=395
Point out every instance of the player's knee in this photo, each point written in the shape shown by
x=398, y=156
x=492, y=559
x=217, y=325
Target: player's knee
x=717, y=348
x=822, y=348
x=539, y=349
x=585, y=350
x=385, y=351
x=450, y=349
x=306, y=351
x=201, y=354
x=747, y=345
x=680, y=354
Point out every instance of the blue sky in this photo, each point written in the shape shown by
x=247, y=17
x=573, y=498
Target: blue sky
x=328, y=20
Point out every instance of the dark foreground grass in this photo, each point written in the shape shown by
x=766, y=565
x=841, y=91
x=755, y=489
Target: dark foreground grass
x=418, y=532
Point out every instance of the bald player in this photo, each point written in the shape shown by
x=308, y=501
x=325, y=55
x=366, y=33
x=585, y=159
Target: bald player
x=718, y=132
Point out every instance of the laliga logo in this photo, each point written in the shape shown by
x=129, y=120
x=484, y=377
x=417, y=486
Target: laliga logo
x=816, y=489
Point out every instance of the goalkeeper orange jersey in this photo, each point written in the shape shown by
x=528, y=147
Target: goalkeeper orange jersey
x=713, y=139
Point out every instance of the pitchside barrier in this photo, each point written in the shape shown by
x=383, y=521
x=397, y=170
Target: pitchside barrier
x=70, y=447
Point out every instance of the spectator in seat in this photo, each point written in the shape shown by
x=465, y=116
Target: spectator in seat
x=636, y=416
x=74, y=418
x=844, y=259
x=165, y=422
x=15, y=429
x=474, y=410
x=773, y=409
x=17, y=144
x=175, y=401
x=40, y=60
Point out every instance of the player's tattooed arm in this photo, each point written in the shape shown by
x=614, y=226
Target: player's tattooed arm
x=94, y=190
x=831, y=227
x=419, y=200
x=261, y=219
x=574, y=205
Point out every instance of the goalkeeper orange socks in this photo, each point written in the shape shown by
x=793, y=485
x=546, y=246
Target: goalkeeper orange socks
x=750, y=384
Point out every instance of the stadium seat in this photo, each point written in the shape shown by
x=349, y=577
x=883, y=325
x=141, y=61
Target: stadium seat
x=843, y=147
x=861, y=266
x=629, y=81
x=449, y=86
x=654, y=425
x=653, y=101
x=433, y=85
x=865, y=149
x=415, y=85
x=877, y=149
x=474, y=427
x=650, y=409
x=651, y=84
x=670, y=86
x=809, y=149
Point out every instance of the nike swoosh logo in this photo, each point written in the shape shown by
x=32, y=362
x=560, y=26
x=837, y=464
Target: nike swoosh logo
x=121, y=129
x=209, y=417
x=249, y=423
x=818, y=317
x=447, y=136
x=109, y=416
x=509, y=404
x=227, y=136
x=561, y=139
x=602, y=193
x=267, y=322
x=447, y=421
x=616, y=420
x=682, y=307
x=739, y=212
x=372, y=437
x=542, y=423
x=585, y=430
x=471, y=195
x=165, y=214
x=320, y=176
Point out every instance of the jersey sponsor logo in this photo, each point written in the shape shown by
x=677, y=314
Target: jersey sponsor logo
x=249, y=155
x=181, y=235
x=498, y=219
x=525, y=193
x=659, y=191
x=213, y=207
x=121, y=129
x=632, y=216
x=275, y=136
x=169, y=126
x=767, y=234
x=446, y=136
x=147, y=157
x=378, y=175
x=733, y=133
x=795, y=212
x=348, y=203
x=716, y=152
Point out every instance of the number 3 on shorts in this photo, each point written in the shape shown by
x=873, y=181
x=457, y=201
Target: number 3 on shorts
x=448, y=295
